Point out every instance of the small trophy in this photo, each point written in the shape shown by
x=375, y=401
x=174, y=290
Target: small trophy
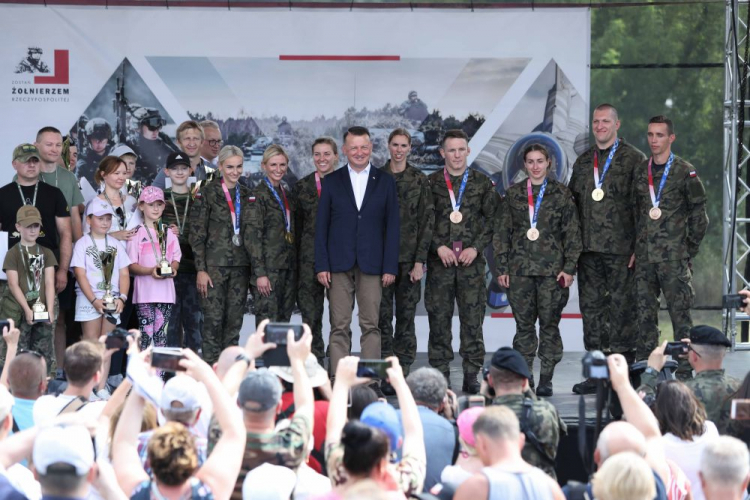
x=133, y=188
x=164, y=270
x=108, y=265
x=36, y=269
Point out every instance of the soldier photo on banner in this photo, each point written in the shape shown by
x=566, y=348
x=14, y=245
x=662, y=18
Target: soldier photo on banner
x=33, y=62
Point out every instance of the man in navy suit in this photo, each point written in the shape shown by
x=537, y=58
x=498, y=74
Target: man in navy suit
x=356, y=244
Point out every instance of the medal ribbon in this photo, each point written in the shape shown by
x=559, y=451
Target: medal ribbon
x=235, y=216
x=153, y=246
x=655, y=199
x=177, y=215
x=30, y=283
x=456, y=204
x=534, y=207
x=23, y=198
x=317, y=182
x=286, y=212
x=599, y=182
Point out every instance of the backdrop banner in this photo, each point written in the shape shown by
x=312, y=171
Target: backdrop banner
x=131, y=75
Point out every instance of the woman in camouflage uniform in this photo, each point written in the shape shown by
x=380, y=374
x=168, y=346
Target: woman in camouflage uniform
x=537, y=244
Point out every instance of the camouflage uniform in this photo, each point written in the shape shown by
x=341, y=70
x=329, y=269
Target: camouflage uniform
x=417, y=218
x=533, y=267
x=270, y=254
x=211, y=231
x=713, y=388
x=546, y=425
x=310, y=293
x=606, y=285
x=464, y=285
x=187, y=316
x=664, y=248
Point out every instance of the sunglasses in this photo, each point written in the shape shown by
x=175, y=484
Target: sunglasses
x=30, y=351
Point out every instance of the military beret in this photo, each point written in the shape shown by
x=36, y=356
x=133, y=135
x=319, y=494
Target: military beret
x=708, y=335
x=509, y=359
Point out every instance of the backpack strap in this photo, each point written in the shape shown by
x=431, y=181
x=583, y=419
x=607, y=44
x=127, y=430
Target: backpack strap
x=74, y=405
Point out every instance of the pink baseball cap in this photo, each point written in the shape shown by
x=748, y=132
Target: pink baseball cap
x=465, y=423
x=151, y=194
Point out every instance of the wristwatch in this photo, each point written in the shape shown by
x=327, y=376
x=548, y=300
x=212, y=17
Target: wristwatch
x=243, y=357
x=651, y=371
x=123, y=297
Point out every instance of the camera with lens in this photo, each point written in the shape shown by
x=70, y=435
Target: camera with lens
x=595, y=366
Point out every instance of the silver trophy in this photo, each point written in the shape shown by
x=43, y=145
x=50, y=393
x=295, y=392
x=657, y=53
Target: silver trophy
x=35, y=277
x=108, y=266
x=164, y=269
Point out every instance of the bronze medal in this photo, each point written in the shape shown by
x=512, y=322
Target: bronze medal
x=655, y=213
x=289, y=237
x=456, y=217
x=597, y=194
x=532, y=234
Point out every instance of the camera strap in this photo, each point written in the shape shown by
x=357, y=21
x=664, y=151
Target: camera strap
x=529, y=432
x=587, y=457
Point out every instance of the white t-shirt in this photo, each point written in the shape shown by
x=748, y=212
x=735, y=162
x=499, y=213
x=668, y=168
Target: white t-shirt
x=310, y=484
x=47, y=408
x=23, y=480
x=687, y=455
x=94, y=273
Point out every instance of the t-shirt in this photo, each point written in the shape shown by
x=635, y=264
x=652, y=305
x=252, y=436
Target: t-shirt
x=66, y=182
x=687, y=454
x=48, y=407
x=23, y=480
x=23, y=413
x=439, y=447
x=320, y=417
x=149, y=290
x=170, y=216
x=50, y=202
x=85, y=254
x=17, y=260
x=126, y=212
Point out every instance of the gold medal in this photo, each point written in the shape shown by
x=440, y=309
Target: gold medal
x=532, y=234
x=655, y=213
x=456, y=217
x=597, y=194
x=289, y=237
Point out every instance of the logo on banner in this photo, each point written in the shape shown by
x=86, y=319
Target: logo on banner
x=36, y=82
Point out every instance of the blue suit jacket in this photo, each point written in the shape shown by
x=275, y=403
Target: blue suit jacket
x=345, y=236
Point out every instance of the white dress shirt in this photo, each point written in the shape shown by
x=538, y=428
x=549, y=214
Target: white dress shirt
x=359, y=183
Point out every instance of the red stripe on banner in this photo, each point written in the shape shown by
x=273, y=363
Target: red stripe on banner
x=62, y=70
x=339, y=58
x=510, y=315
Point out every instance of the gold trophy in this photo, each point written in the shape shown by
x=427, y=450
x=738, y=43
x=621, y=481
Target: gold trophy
x=36, y=270
x=108, y=266
x=164, y=270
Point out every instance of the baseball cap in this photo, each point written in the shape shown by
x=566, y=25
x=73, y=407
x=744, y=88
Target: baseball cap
x=122, y=149
x=383, y=416
x=178, y=158
x=260, y=391
x=465, y=423
x=269, y=482
x=6, y=402
x=28, y=215
x=70, y=445
x=509, y=359
x=708, y=335
x=151, y=194
x=98, y=208
x=24, y=152
x=316, y=373
x=180, y=389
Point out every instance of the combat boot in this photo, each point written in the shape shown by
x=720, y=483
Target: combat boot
x=588, y=386
x=471, y=384
x=545, y=386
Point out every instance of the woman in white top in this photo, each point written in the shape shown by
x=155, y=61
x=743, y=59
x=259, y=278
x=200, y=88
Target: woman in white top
x=111, y=176
x=468, y=462
x=685, y=430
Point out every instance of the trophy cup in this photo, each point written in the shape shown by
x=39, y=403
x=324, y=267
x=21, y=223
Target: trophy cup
x=164, y=269
x=36, y=269
x=134, y=188
x=108, y=265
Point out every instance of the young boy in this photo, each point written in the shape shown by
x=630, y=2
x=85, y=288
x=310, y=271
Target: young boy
x=187, y=317
x=20, y=296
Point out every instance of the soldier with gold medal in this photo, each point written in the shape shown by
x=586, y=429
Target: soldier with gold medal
x=269, y=240
x=671, y=221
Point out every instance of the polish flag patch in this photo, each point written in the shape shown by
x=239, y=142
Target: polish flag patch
x=251, y=199
x=693, y=173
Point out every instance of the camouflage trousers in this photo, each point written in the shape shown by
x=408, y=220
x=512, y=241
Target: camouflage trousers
x=223, y=310
x=39, y=337
x=406, y=294
x=674, y=280
x=310, y=300
x=606, y=291
x=443, y=288
x=278, y=306
x=542, y=298
x=187, y=318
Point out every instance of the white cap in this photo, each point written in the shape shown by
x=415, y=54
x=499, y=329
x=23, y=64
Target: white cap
x=269, y=482
x=6, y=402
x=70, y=445
x=316, y=373
x=122, y=149
x=182, y=389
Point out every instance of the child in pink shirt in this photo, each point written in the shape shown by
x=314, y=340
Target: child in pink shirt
x=154, y=294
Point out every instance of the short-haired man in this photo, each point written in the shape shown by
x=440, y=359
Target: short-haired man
x=356, y=244
x=505, y=474
x=509, y=377
x=465, y=201
x=711, y=385
x=671, y=221
x=725, y=469
x=602, y=183
x=190, y=137
x=27, y=378
x=429, y=388
x=83, y=368
x=212, y=142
